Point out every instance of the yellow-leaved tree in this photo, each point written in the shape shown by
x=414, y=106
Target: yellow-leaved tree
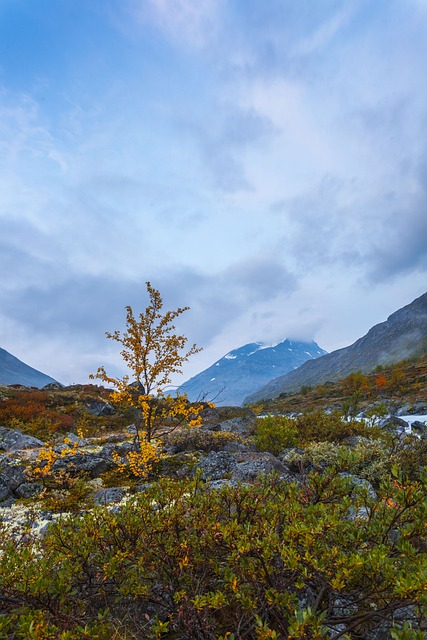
x=152, y=352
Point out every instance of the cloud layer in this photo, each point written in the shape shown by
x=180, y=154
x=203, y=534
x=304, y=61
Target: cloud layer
x=263, y=163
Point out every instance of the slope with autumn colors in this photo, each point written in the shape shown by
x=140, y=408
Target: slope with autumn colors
x=401, y=336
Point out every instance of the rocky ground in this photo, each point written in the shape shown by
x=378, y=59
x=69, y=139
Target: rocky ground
x=234, y=460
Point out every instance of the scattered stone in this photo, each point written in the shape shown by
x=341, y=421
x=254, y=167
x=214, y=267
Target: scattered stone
x=4, y=492
x=241, y=426
x=354, y=441
x=394, y=423
x=28, y=490
x=53, y=386
x=107, y=496
x=12, y=475
x=217, y=465
x=251, y=465
x=74, y=440
x=419, y=427
x=91, y=463
x=14, y=440
x=140, y=488
x=359, y=483
x=99, y=408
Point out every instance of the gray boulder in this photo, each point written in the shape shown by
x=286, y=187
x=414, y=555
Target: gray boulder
x=99, y=408
x=243, y=467
x=394, y=424
x=91, y=463
x=217, y=465
x=28, y=490
x=419, y=428
x=12, y=475
x=254, y=464
x=241, y=426
x=14, y=440
x=4, y=491
x=108, y=496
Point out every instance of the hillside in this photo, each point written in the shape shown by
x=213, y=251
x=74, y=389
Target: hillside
x=400, y=385
x=244, y=370
x=14, y=371
x=402, y=335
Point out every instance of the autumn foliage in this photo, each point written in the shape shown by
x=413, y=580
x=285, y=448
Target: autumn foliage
x=153, y=352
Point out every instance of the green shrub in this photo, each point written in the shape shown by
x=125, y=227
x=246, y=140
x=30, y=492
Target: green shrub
x=266, y=561
x=197, y=439
x=319, y=426
x=368, y=459
x=275, y=433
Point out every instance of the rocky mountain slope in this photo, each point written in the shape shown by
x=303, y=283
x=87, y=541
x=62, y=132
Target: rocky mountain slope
x=402, y=335
x=14, y=371
x=240, y=372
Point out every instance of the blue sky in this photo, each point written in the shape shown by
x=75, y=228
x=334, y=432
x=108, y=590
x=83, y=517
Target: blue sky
x=264, y=163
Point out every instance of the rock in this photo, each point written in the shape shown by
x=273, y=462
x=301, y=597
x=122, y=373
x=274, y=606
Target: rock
x=28, y=490
x=4, y=492
x=217, y=465
x=216, y=485
x=99, y=408
x=241, y=426
x=145, y=486
x=92, y=463
x=251, y=465
x=393, y=423
x=240, y=467
x=359, y=483
x=14, y=440
x=353, y=441
x=74, y=440
x=53, y=386
x=12, y=475
x=404, y=410
x=6, y=504
x=419, y=427
x=107, y=496
x=121, y=449
x=419, y=408
x=238, y=447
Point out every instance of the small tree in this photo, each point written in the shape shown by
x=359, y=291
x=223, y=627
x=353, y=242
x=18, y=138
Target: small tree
x=152, y=352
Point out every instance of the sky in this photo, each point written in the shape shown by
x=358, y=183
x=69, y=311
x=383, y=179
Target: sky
x=264, y=163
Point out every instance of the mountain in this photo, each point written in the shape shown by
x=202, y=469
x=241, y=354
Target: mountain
x=242, y=371
x=402, y=335
x=14, y=371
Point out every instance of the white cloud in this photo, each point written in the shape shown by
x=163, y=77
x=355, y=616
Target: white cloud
x=189, y=23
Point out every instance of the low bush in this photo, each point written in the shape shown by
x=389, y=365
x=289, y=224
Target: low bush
x=197, y=439
x=250, y=562
x=275, y=433
x=368, y=459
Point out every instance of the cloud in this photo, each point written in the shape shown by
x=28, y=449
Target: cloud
x=189, y=24
x=401, y=247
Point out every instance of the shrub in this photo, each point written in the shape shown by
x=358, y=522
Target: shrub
x=369, y=459
x=189, y=439
x=275, y=433
x=265, y=561
x=319, y=426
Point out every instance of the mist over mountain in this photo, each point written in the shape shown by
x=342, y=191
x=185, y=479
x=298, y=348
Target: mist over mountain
x=14, y=371
x=244, y=370
x=401, y=336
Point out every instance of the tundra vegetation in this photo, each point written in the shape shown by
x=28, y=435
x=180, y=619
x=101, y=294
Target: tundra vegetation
x=335, y=549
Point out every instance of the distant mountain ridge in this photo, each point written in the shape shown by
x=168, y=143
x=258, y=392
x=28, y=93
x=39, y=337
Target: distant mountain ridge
x=244, y=370
x=402, y=335
x=14, y=371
